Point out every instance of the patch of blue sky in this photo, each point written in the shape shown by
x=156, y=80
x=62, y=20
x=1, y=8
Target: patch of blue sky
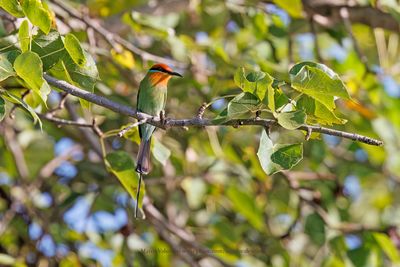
x=202, y=38
x=335, y=51
x=34, y=231
x=66, y=171
x=352, y=187
x=43, y=200
x=232, y=26
x=47, y=246
x=76, y=216
x=103, y=221
x=331, y=140
x=305, y=42
x=62, y=145
x=4, y=179
x=219, y=104
x=360, y=155
x=353, y=241
x=390, y=85
x=103, y=256
x=282, y=14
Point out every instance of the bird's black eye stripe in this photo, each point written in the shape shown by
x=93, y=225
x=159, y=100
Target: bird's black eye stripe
x=159, y=69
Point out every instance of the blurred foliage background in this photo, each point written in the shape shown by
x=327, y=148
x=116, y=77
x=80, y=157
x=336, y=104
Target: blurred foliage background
x=209, y=201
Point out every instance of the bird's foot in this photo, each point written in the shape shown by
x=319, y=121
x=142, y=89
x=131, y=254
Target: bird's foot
x=163, y=119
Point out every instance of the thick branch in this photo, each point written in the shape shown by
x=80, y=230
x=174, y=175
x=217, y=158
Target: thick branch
x=125, y=110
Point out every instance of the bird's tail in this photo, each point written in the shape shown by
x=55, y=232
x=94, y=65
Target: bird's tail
x=143, y=158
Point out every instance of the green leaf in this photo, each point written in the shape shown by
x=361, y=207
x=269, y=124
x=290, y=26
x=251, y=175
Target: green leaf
x=257, y=83
x=16, y=100
x=84, y=77
x=317, y=112
x=2, y=108
x=6, y=260
x=244, y=204
x=37, y=14
x=293, y=7
x=13, y=7
x=291, y=120
x=243, y=103
x=160, y=152
x=49, y=47
x=387, y=247
x=274, y=158
x=24, y=36
x=29, y=67
x=315, y=228
x=75, y=50
x=6, y=69
x=121, y=165
x=319, y=82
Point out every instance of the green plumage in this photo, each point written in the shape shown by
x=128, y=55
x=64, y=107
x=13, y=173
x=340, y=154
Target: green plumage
x=151, y=100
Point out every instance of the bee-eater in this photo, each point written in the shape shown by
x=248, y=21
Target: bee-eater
x=151, y=99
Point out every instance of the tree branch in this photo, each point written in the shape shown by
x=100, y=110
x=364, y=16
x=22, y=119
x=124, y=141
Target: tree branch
x=196, y=121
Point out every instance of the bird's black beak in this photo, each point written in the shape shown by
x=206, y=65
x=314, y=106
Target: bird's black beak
x=175, y=74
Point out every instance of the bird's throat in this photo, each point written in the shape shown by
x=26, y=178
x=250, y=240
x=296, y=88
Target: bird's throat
x=159, y=79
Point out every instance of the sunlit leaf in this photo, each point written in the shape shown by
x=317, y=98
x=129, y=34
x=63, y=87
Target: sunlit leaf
x=387, y=246
x=274, y=158
x=195, y=189
x=160, y=152
x=122, y=166
x=319, y=82
x=293, y=7
x=6, y=68
x=244, y=204
x=291, y=120
x=24, y=36
x=29, y=67
x=257, y=83
x=75, y=50
x=13, y=7
x=16, y=100
x=7, y=260
x=317, y=112
x=243, y=103
x=37, y=14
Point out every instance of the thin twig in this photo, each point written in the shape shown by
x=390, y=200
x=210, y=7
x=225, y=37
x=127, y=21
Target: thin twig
x=133, y=125
x=344, y=14
x=125, y=110
x=59, y=121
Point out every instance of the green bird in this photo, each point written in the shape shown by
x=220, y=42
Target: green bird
x=151, y=99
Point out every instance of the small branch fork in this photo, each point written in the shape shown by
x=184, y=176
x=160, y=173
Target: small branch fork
x=196, y=121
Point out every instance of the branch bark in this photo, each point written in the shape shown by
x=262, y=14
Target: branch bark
x=196, y=121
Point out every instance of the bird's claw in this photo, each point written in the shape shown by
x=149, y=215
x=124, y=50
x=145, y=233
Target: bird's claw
x=163, y=119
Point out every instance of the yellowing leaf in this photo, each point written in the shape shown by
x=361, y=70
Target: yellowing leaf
x=13, y=7
x=121, y=165
x=37, y=14
x=29, y=67
x=75, y=50
x=24, y=36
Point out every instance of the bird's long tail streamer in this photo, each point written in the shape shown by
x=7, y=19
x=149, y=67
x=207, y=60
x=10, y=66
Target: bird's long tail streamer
x=138, y=195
